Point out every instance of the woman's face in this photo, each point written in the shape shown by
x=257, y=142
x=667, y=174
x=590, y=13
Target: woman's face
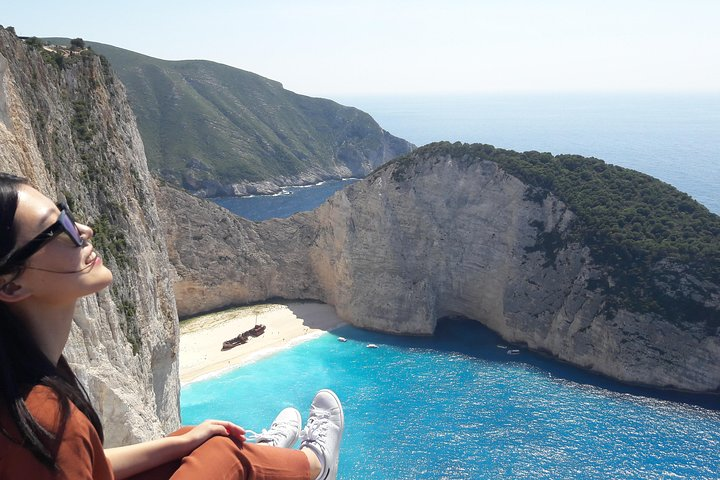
x=60, y=271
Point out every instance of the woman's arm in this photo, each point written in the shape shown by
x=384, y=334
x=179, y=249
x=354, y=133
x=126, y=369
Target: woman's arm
x=133, y=459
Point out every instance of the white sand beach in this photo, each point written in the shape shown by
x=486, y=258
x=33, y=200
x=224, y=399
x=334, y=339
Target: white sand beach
x=288, y=324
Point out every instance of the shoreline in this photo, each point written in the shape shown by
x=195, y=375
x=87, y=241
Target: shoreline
x=282, y=189
x=287, y=325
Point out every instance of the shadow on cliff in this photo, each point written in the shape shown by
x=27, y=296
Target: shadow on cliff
x=314, y=313
x=471, y=338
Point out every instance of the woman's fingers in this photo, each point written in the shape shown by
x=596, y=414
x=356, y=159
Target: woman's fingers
x=228, y=428
x=235, y=431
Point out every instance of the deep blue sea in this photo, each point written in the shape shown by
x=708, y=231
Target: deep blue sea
x=456, y=406
x=285, y=204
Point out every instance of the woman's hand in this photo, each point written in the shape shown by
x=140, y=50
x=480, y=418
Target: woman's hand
x=133, y=459
x=210, y=428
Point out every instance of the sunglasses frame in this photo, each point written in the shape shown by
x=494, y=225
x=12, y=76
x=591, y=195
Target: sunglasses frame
x=19, y=256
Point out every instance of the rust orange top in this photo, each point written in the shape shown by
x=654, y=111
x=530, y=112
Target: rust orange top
x=81, y=455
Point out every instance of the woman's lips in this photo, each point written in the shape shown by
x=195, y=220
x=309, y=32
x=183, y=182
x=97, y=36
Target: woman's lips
x=93, y=259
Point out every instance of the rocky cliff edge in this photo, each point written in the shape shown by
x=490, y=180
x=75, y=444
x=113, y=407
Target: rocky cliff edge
x=66, y=125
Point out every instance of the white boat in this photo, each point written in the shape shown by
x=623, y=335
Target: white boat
x=342, y=339
x=501, y=346
x=513, y=352
x=371, y=345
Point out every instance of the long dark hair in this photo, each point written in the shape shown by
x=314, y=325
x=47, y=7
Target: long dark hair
x=24, y=366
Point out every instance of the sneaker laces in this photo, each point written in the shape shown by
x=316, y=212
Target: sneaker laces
x=277, y=432
x=316, y=428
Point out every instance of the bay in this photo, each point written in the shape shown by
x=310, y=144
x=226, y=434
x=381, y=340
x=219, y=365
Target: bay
x=282, y=205
x=456, y=406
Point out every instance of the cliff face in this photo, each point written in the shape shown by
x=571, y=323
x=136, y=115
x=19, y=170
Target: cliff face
x=432, y=237
x=65, y=124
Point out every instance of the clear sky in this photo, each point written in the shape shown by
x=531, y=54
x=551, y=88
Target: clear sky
x=336, y=47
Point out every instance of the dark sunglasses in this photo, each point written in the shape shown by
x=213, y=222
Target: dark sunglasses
x=64, y=224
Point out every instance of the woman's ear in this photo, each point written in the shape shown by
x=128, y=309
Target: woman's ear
x=13, y=292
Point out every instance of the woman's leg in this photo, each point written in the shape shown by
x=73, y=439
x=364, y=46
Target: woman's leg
x=223, y=458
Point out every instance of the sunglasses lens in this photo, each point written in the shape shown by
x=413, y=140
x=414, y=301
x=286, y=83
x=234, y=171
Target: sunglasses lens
x=70, y=228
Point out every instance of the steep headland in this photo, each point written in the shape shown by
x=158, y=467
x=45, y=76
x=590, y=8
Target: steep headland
x=216, y=130
x=597, y=265
x=65, y=123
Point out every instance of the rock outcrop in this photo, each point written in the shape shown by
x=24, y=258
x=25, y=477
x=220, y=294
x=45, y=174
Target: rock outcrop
x=66, y=125
x=435, y=236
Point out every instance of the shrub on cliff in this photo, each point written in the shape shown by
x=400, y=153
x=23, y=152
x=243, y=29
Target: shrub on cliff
x=77, y=43
x=35, y=42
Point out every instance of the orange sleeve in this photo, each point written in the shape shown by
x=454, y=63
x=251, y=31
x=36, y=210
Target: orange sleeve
x=81, y=455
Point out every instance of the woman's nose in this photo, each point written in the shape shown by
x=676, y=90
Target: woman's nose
x=85, y=231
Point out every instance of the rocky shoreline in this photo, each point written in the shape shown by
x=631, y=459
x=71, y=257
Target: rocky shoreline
x=272, y=186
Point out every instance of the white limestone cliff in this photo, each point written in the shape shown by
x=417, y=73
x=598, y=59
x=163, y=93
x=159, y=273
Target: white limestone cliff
x=71, y=132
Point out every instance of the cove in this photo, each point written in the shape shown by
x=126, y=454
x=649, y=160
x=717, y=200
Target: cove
x=457, y=406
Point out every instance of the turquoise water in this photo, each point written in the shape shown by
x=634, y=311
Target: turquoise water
x=456, y=406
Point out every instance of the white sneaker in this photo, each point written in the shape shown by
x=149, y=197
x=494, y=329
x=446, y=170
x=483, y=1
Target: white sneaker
x=323, y=432
x=284, y=431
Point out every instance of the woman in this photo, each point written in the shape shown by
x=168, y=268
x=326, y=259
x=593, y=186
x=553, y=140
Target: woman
x=48, y=427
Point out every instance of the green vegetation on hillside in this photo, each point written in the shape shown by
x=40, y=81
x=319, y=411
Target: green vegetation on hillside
x=648, y=233
x=60, y=56
x=205, y=122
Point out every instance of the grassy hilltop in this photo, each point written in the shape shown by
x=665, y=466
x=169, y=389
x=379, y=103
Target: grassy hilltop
x=201, y=120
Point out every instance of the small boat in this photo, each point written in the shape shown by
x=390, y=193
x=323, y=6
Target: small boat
x=501, y=346
x=371, y=345
x=342, y=339
x=256, y=331
x=234, y=342
x=513, y=352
